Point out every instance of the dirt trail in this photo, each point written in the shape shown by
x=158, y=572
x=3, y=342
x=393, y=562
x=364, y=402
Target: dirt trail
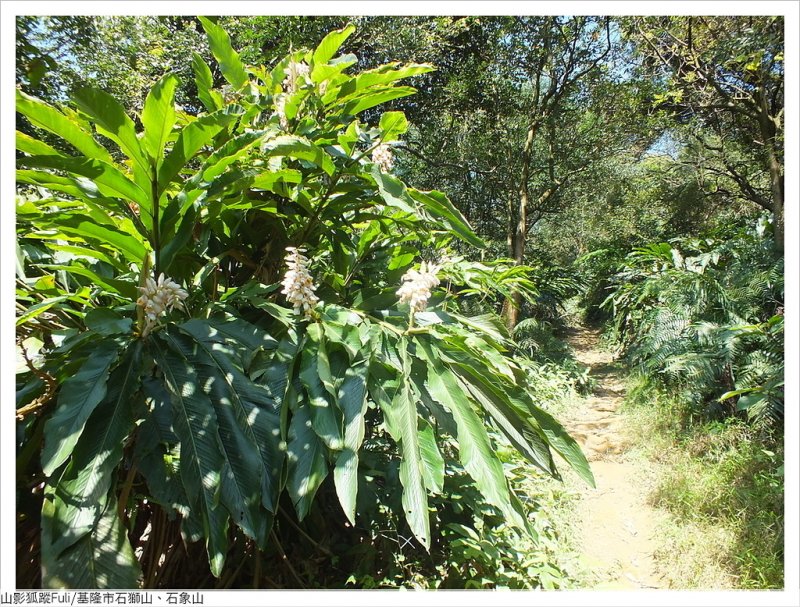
x=617, y=526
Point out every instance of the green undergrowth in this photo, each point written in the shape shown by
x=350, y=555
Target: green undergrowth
x=721, y=481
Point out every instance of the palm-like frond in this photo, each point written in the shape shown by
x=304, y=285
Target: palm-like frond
x=705, y=318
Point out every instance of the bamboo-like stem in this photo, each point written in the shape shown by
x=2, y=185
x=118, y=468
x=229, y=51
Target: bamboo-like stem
x=286, y=560
x=156, y=226
x=257, y=569
x=235, y=574
x=126, y=490
x=169, y=559
x=159, y=536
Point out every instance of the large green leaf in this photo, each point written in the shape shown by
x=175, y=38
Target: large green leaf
x=158, y=116
x=80, y=495
x=346, y=329
x=563, y=444
x=192, y=138
x=229, y=63
x=243, y=470
x=489, y=325
x=330, y=45
x=177, y=241
x=202, y=462
x=102, y=559
x=223, y=157
x=438, y=205
x=307, y=465
x=352, y=399
x=205, y=84
x=372, y=83
x=245, y=337
x=294, y=146
x=50, y=181
x=249, y=418
x=115, y=182
x=521, y=433
x=375, y=97
x=124, y=288
x=324, y=416
x=433, y=470
x=105, y=321
x=393, y=192
x=155, y=450
x=34, y=147
x=275, y=372
x=526, y=437
x=78, y=397
x=392, y=124
x=112, y=121
x=97, y=252
x=390, y=72
x=91, y=232
x=42, y=307
x=401, y=421
x=474, y=446
x=271, y=180
x=47, y=117
x=331, y=71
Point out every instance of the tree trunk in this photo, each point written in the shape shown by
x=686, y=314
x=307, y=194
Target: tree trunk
x=518, y=233
x=776, y=182
x=768, y=134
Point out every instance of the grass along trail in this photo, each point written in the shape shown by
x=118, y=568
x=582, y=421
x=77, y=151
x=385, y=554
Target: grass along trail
x=617, y=527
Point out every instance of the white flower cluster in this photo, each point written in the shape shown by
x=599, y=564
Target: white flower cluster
x=417, y=285
x=228, y=93
x=280, y=110
x=297, y=284
x=158, y=297
x=293, y=71
x=382, y=156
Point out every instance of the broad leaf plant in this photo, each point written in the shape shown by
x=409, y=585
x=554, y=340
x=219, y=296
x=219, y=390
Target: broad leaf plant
x=214, y=398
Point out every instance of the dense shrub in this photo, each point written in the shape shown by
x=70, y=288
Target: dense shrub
x=172, y=390
x=705, y=315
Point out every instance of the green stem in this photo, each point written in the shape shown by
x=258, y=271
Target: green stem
x=304, y=534
x=313, y=220
x=126, y=491
x=156, y=222
x=286, y=560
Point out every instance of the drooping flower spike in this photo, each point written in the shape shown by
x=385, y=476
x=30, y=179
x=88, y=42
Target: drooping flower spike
x=417, y=285
x=382, y=156
x=298, y=285
x=157, y=298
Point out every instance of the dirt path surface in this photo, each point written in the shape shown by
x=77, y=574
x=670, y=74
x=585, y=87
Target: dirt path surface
x=617, y=526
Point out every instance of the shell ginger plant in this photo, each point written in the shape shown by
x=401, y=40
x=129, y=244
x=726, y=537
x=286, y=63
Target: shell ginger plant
x=232, y=398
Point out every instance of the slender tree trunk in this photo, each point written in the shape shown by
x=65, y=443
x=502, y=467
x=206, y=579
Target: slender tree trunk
x=776, y=182
x=509, y=311
x=775, y=166
x=519, y=232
